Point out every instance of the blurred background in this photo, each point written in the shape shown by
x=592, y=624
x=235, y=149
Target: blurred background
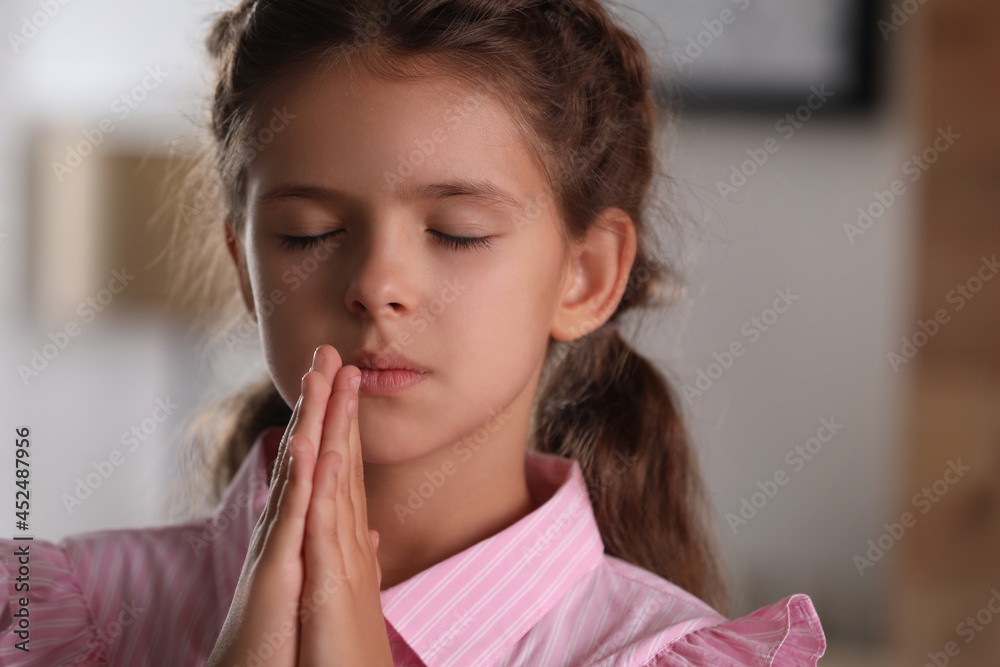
x=837, y=168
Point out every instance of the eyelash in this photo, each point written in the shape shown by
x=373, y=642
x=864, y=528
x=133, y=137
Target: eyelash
x=452, y=242
x=305, y=242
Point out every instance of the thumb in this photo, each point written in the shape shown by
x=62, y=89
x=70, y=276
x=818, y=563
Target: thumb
x=375, y=537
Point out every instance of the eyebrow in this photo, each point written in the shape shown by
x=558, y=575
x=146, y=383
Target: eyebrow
x=485, y=191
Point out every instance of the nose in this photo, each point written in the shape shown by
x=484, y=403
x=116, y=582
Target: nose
x=379, y=283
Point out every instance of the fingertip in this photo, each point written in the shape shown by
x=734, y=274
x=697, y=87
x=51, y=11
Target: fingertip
x=332, y=358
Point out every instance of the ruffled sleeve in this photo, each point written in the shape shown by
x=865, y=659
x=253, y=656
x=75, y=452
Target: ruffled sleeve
x=784, y=634
x=58, y=628
x=125, y=596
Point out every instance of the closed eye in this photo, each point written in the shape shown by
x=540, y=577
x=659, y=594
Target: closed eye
x=306, y=242
x=447, y=240
x=462, y=242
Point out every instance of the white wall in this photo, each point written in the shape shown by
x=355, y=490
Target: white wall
x=825, y=357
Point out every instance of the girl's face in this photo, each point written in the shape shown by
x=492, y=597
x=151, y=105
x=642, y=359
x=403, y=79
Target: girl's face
x=385, y=173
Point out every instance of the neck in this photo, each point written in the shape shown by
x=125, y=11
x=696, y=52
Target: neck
x=484, y=495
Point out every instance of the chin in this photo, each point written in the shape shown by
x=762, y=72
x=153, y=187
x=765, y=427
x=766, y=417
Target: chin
x=383, y=441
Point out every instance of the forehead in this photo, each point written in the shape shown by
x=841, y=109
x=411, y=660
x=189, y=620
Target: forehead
x=380, y=137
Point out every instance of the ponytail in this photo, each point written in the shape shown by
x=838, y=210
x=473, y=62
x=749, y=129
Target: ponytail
x=606, y=406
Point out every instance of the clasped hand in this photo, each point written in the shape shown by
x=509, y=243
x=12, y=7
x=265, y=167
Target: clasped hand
x=308, y=593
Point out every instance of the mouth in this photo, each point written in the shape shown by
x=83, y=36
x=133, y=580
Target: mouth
x=388, y=382
x=385, y=374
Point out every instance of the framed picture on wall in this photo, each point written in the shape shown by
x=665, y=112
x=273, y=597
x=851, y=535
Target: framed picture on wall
x=762, y=54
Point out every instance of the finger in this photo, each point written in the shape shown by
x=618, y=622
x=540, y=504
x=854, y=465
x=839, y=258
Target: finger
x=307, y=417
x=278, y=474
x=322, y=542
x=323, y=555
x=336, y=438
x=317, y=384
x=321, y=360
x=283, y=542
x=358, y=495
x=328, y=361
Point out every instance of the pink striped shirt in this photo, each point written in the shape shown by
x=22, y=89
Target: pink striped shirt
x=540, y=592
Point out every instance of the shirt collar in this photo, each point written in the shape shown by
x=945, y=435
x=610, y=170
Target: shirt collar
x=471, y=607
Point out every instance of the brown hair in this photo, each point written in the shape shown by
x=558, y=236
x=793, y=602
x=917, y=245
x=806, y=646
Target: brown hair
x=579, y=86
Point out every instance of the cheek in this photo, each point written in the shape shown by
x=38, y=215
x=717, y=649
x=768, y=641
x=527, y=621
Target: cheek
x=288, y=348
x=291, y=323
x=507, y=310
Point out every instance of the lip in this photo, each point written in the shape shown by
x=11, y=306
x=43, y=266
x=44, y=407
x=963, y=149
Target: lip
x=387, y=382
x=385, y=374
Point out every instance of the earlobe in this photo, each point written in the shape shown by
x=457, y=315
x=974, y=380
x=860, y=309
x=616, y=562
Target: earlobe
x=597, y=275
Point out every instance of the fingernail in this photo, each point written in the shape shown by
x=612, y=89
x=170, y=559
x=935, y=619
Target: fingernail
x=355, y=382
x=317, y=359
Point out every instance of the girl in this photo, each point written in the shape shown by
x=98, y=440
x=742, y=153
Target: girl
x=436, y=211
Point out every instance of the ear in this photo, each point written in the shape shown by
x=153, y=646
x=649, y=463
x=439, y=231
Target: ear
x=596, y=275
x=239, y=259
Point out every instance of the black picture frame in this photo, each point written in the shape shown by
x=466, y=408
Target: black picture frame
x=859, y=47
